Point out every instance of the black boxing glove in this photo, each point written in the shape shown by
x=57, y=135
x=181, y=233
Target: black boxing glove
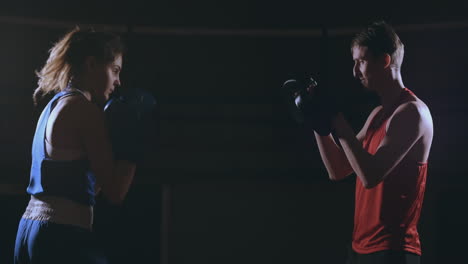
x=131, y=119
x=310, y=105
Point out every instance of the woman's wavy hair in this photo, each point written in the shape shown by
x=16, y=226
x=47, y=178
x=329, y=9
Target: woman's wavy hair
x=67, y=56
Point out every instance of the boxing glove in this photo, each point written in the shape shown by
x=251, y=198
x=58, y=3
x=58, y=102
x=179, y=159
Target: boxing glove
x=310, y=105
x=132, y=122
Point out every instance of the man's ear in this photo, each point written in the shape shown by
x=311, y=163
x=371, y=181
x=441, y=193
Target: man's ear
x=387, y=60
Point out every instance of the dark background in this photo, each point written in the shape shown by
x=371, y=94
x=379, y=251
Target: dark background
x=234, y=179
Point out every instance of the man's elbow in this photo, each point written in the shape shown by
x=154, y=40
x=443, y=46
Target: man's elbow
x=336, y=177
x=368, y=185
x=369, y=182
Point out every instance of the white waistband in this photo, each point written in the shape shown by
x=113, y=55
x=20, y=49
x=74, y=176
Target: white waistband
x=60, y=211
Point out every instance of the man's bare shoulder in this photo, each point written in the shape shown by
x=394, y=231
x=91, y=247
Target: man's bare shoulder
x=417, y=112
x=415, y=106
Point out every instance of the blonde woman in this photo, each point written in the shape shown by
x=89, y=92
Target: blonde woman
x=72, y=157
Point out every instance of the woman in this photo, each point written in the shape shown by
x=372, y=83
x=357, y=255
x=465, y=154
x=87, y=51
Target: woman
x=72, y=156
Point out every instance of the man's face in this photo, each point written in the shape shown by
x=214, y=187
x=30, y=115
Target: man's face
x=365, y=67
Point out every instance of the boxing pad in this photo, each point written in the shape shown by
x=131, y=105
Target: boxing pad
x=310, y=105
x=132, y=122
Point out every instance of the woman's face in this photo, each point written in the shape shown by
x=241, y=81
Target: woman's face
x=105, y=78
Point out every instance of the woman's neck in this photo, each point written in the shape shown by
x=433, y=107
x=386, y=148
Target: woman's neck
x=76, y=86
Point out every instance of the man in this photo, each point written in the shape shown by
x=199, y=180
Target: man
x=389, y=155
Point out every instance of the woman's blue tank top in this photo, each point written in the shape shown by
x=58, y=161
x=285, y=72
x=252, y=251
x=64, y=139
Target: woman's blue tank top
x=68, y=179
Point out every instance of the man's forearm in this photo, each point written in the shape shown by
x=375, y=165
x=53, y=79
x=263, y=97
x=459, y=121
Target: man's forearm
x=359, y=159
x=333, y=157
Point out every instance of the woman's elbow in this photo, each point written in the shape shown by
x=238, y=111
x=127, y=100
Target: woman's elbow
x=114, y=197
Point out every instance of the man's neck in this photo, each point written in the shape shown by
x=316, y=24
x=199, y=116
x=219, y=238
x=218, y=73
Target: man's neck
x=389, y=91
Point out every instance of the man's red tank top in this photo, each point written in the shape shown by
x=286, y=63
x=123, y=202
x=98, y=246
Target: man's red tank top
x=387, y=215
